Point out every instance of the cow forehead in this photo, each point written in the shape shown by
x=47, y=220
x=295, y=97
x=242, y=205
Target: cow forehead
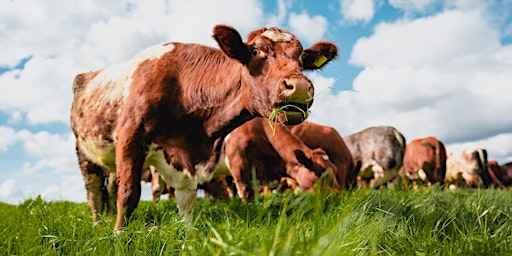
x=278, y=36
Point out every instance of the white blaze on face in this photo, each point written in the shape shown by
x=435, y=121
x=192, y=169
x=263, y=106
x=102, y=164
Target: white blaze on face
x=278, y=37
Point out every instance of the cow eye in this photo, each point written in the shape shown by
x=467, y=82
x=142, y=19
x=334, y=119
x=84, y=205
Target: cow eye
x=255, y=51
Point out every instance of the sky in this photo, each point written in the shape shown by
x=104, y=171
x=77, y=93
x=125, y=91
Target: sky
x=427, y=67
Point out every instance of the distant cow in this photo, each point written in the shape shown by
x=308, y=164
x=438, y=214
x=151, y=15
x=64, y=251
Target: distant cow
x=378, y=151
x=501, y=175
x=279, y=152
x=466, y=164
x=172, y=105
x=425, y=159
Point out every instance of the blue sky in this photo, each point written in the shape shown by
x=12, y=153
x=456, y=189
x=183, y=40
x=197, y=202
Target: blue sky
x=427, y=67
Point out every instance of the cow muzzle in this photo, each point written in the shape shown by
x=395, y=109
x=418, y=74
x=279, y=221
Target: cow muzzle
x=298, y=94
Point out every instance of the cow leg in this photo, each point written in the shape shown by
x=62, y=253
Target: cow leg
x=112, y=193
x=157, y=184
x=243, y=184
x=129, y=160
x=94, y=179
x=186, y=199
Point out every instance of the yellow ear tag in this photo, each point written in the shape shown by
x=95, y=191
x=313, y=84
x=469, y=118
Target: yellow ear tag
x=320, y=61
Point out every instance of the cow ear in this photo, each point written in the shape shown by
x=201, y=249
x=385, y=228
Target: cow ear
x=319, y=54
x=231, y=43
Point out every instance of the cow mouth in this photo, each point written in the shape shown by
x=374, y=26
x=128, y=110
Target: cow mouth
x=291, y=113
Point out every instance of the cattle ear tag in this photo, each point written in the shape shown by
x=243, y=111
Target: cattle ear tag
x=320, y=61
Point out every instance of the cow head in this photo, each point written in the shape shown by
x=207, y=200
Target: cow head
x=318, y=162
x=273, y=61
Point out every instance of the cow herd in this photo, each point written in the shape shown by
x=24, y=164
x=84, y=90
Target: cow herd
x=188, y=116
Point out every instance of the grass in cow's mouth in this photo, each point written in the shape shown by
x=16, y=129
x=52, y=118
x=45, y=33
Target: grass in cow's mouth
x=283, y=107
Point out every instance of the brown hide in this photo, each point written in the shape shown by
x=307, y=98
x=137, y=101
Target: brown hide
x=501, y=175
x=378, y=152
x=276, y=152
x=328, y=139
x=428, y=155
x=172, y=105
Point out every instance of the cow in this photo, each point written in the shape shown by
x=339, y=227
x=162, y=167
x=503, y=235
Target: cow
x=466, y=165
x=172, y=105
x=501, y=175
x=425, y=160
x=378, y=154
x=274, y=152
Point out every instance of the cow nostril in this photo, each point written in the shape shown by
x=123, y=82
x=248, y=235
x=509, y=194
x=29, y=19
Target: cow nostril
x=288, y=86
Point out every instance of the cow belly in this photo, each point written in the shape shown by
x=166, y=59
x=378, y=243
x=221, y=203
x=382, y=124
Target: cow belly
x=102, y=153
x=178, y=179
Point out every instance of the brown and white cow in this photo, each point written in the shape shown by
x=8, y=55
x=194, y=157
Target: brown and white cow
x=378, y=152
x=501, y=175
x=466, y=164
x=280, y=151
x=172, y=105
x=425, y=160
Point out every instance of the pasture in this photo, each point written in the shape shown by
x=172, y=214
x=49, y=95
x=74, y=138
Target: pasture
x=432, y=221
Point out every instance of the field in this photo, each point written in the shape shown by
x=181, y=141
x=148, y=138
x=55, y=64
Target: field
x=432, y=221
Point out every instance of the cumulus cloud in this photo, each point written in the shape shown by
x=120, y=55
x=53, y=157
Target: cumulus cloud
x=445, y=75
x=8, y=137
x=9, y=189
x=310, y=29
x=357, y=10
x=53, y=151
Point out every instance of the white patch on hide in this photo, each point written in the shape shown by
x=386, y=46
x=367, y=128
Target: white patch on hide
x=278, y=37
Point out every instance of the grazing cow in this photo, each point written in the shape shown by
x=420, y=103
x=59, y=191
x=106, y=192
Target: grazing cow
x=501, y=175
x=468, y=164
x=172, y=105
x=425, y=159
x=378, y=153
x=277, y=152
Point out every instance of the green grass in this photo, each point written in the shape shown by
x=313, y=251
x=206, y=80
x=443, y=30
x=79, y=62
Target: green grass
x=433, y=221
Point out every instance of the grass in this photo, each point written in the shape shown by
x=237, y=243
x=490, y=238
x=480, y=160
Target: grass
x=433, y=221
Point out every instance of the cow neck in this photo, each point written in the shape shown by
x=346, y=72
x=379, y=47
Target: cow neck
x=283, y=141
x=223, y=105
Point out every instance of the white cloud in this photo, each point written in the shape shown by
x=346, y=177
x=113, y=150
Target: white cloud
x=308, y=28
x=7, y=138
x=282, y=10
x=357, y=10
x=412, y=6
x=53, y=151
x=8, y=189
x=445, y=75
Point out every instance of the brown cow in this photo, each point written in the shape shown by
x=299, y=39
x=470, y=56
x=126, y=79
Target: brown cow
x=279, y=152
x=425, y=160
x=378, y=153
x=501, y=175
x=172, y=105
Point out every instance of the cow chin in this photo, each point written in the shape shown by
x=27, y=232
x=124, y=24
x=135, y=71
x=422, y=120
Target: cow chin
x=292, y=113
x=294, y=117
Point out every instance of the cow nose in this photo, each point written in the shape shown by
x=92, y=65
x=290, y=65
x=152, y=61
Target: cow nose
x=298, y=89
